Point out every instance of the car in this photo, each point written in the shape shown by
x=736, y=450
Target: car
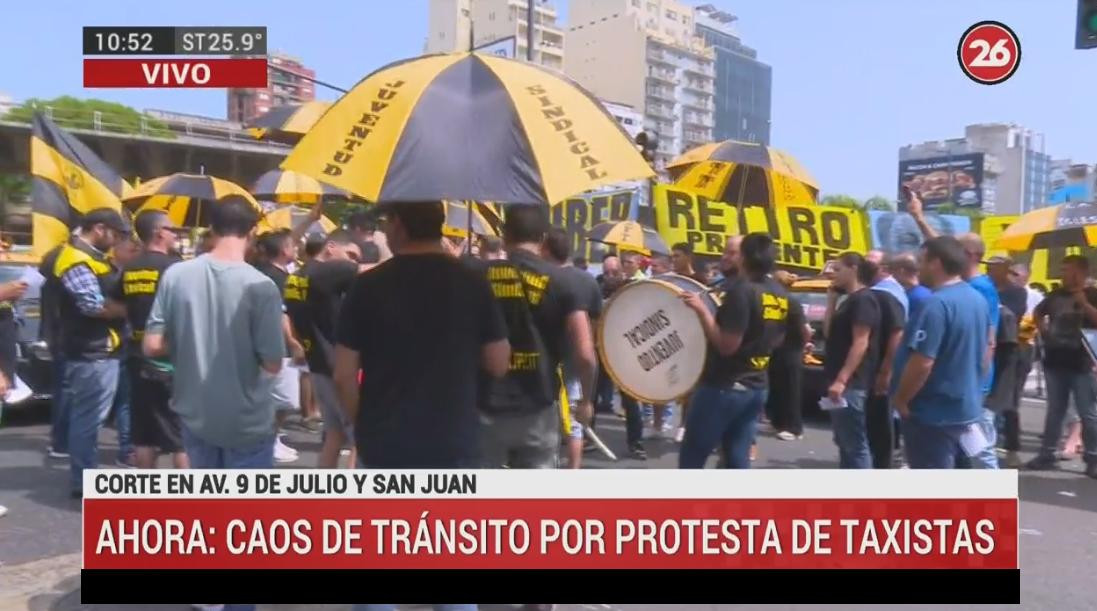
x=812, y=295
x=33, y=365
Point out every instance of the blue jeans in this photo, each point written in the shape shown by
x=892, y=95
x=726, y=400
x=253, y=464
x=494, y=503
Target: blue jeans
x=1061, y=384
x=721, y=417
x=89, y=393
x=851, y=432
x=988, y=458
x=931, y=447
x=121, y=408
x=59, y=410
x=204, y=455
x=436, y=607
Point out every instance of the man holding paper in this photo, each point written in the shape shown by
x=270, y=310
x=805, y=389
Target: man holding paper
x=940, y=364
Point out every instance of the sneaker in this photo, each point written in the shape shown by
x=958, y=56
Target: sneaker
x=1042, y=463
x=1013, y=460
x=659, y=435
x=284, y=453
x=638, y=452
x=344, y=452
x=788, y=436
x=54, y=454
x=3, y=511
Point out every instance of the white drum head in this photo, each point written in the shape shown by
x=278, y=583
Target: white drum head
x=652, y=344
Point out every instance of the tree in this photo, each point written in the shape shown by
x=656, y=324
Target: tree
x=878, y=202
x=841, y=201
x=69, y=112
x=13, y=188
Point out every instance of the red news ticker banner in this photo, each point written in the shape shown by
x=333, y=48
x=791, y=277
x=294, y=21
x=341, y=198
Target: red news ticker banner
x=549, y=520
x=177, y=73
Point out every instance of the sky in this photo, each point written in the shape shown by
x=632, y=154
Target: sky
x=853, y=80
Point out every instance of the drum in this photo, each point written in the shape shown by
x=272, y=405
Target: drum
x=652, y=345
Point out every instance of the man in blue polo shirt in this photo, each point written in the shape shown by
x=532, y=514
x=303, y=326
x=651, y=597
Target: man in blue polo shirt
x=940, y=365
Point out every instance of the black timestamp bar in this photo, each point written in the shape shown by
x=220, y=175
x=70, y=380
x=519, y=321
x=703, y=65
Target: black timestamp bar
x=129, y=40
x=172, y=40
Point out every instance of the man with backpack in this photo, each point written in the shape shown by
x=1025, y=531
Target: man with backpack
x=521, y=426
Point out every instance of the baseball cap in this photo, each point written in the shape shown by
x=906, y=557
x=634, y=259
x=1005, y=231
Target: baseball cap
x=109, y=217
x=999, y=260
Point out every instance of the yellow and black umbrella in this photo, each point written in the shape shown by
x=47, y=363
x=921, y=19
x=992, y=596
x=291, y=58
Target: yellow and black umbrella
x=485, y=221
x=1069, y=224
x=289, y=122
x=744, y=174
x=628, y=235
x=287, y=187
x=184, y=197
x=292, y=216
x=467, y=126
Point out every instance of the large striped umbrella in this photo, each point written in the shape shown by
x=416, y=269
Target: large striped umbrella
x=744, y=174
x=289, y=122
x=287, y=187
x=185, y=197
x=629, y=235
x=484, y=220
x=1070, y=224
x=467, y=126
x=289, y=217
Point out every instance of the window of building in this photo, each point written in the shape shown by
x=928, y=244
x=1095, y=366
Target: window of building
x=652, y=7
x=636, y=3
x=672, y=15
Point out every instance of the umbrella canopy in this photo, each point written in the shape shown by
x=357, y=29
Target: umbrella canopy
x=287, y=187
x=289, y=122
x=629, y=235
x=184, y=196
x=290, y=217
x=467, y=127
x=744, y=173
x=1071, y=224
x=484, y=220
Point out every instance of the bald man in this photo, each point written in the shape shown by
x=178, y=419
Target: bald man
x=976, y=251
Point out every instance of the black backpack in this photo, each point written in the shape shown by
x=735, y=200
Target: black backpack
x=528, y=386
x=1008, y=326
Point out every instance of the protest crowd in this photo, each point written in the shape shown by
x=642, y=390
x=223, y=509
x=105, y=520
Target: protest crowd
x=408, y=348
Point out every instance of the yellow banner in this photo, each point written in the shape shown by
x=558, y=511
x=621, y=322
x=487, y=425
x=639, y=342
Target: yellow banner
x=807, y=236
x=577, y=215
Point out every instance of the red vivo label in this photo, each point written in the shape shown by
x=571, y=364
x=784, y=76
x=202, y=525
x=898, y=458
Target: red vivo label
x=179, y=73
x=550, y=534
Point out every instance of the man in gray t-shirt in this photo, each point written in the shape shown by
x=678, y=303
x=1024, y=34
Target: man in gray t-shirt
x=220, y=320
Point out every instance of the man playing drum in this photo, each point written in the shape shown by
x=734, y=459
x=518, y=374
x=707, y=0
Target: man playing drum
x=748, y=325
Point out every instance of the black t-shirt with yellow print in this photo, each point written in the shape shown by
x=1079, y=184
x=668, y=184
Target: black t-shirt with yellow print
x=140, y=280
x=758, y=310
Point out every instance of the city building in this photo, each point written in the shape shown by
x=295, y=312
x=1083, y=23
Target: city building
x=646, y=54
x=743, y=84
x=631, y=120
x=1015, y=170
x=497, y=25
x=285, y=85
x=1070, y=182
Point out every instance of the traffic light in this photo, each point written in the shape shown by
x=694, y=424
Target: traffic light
x=1086, y=34
x=648, y=144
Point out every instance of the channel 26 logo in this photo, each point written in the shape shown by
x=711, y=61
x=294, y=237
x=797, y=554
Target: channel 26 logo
x=989, y=52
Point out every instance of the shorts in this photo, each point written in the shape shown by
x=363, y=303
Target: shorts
x=153, y=424
x=287, y=387
x=521, y=441
x=327, y=398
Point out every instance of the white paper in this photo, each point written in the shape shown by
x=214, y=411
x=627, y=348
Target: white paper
x=973, y=441
x=32, y=277
x=18, y=392
x=827, y=405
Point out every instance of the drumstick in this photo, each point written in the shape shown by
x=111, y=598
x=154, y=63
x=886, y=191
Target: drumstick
x=598, y=443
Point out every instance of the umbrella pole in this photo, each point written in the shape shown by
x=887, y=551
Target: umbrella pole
x=468, y=230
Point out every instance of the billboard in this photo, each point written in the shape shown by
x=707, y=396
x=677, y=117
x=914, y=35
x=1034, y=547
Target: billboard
x=955, y=180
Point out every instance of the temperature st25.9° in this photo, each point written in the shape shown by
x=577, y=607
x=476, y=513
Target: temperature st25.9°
x=222, y=42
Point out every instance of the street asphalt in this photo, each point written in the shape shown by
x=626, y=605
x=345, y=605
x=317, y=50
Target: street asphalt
x=40, y=535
